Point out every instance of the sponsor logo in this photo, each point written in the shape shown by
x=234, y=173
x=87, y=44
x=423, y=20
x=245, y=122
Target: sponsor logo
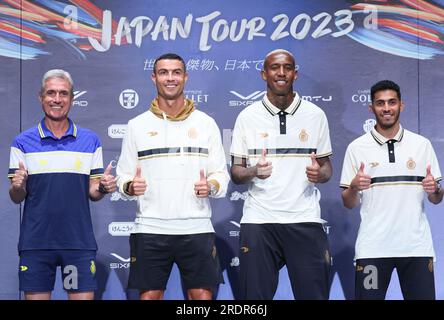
x=368, y=125
x=198, y=96
x=152, y=133
x=234, y=233
x=245, y=249
x=244, y=101
x=23, y=268
x=317, y=98
x=77, y=102
x=234, y=262
x=122, y=263
x=118, y=229
x=129, y=99
x=116, y=196
x=236, y=195
x=362, y=96
x=374, y=164
x=117, y=131
x=326, y=228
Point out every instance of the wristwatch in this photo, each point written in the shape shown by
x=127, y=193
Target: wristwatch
x=102, y=189
x=213, y=189
x=126, y=188
x=438, y=188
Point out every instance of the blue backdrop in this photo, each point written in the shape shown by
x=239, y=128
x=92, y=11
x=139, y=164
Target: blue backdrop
x=342, y=48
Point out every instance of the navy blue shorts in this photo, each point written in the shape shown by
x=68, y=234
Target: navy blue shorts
x=37, y=270
x=153, y=256
x=415, y=274
x=266, y=248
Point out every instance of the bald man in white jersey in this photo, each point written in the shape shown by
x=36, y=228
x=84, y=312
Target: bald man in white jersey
x=281, y=148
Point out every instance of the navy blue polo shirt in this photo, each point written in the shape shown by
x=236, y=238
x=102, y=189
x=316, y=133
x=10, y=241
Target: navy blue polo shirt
x=56, y=213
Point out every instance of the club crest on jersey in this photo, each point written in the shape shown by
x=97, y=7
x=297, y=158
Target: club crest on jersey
x=303, y=136
x=411, y=164
x=192, y=133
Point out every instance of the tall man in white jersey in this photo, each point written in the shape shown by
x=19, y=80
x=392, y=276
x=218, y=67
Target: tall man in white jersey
x=281, y=148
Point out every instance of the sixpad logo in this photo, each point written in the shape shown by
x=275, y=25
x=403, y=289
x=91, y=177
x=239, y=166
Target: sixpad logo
x=234, y=233
x=243, y=101
x=121, y=264
x=129, y=99
x=78, y=102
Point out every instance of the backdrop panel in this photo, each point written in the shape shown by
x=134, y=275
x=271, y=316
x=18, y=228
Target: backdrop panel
x=342, y=48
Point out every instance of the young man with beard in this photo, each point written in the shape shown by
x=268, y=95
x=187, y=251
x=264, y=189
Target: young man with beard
x=389, y=171
x=281, y=148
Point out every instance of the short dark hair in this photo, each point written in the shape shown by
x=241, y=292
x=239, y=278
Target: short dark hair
x=385, y=85
x=170, y=56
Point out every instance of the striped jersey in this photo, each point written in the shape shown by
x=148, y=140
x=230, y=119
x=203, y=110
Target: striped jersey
x=56, y=211
x=171, y=155
x=393, y=220
x=289, y=137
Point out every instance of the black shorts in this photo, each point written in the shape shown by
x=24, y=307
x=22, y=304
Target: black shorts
x=266, y=248
x=153, y=256
x=415, y=274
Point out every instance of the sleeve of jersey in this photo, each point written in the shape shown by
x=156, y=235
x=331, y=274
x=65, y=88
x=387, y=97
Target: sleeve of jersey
x=217, y=173
x=238, y=143
x=434, y=165
x=16, y=155
x=97, y=161
x=323, y=148
x=126, y=166
x=348, y=169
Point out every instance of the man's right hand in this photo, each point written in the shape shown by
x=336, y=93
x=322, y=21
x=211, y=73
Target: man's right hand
x=264, y=167
x=138, y=185
x=18, y=181
x=361, y=181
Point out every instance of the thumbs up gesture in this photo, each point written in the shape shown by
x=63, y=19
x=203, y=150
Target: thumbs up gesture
x=108, y=181
x=428, y=183
x=361, y=181
x=20, y=176
x=138, y=185
x=201, y=187
x=264, y=167
x=313, y=170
